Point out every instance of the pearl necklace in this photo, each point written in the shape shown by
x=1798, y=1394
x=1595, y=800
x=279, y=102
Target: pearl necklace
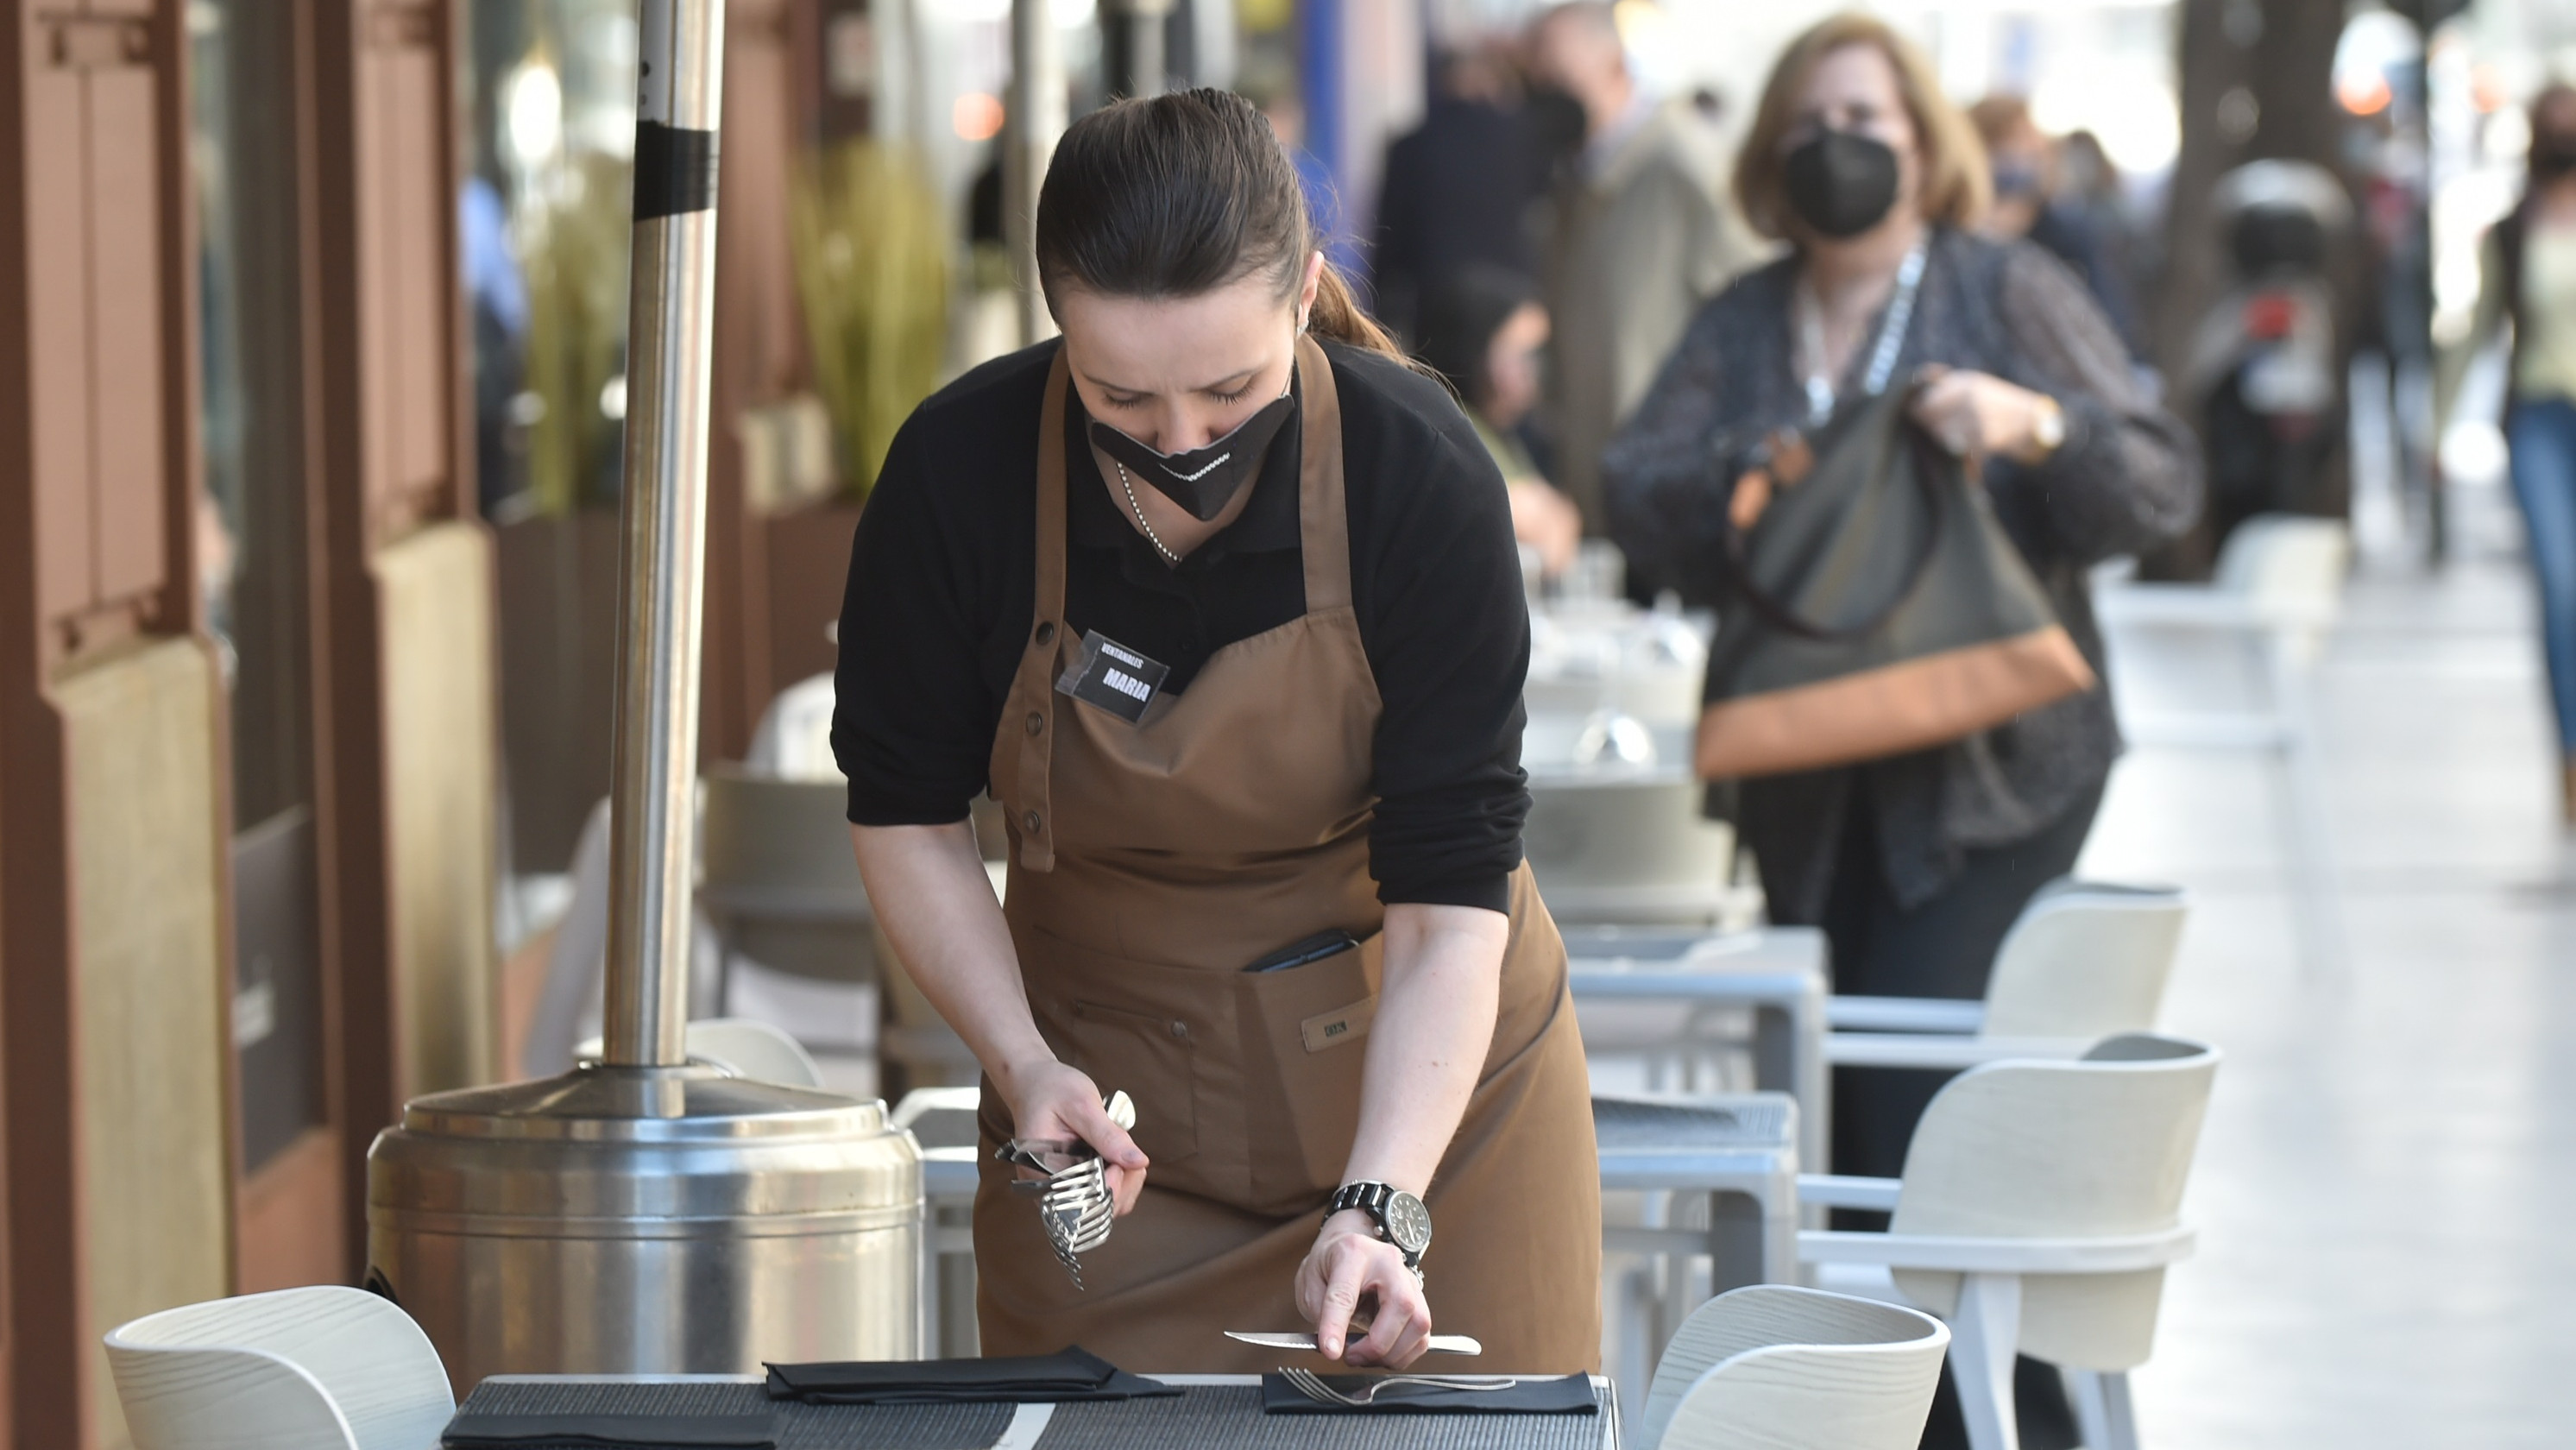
x=1138, y=509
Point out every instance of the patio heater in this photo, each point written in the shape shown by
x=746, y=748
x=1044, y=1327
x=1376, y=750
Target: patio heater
x=647, y=1214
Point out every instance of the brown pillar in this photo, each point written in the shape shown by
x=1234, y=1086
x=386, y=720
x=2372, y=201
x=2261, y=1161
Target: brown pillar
x=396, y=517
x=97, y=486
x=758, y=352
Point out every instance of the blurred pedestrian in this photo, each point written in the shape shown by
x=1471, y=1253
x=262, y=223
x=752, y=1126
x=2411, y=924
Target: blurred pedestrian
x=1482, y=332
x=1636, y=238
x=2530, y=281
x=2031, y=201
x=1916, y=865
x=1458, y=189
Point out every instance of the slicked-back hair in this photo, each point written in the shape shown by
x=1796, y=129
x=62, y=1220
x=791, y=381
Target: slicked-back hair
x=1178, y=195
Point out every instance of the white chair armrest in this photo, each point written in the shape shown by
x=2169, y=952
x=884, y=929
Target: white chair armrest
x=1831, y=1190
x=1903, y=1014
x=2199, y=606
x=2109, y=1254
x=2171, y=606
x=922, y=1102
x=949, y=1174
x=1923, y=1050
x=2208, y=729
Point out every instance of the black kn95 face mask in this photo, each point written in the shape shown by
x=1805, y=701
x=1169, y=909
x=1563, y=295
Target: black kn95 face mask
x=1840, y=183
x=1203, y=480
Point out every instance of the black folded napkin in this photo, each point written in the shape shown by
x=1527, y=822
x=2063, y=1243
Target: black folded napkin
x=613, y=1432
x=1071, y=1374
x=1571, y=1395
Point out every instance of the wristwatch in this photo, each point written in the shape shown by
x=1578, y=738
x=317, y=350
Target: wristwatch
x=1401, y=1218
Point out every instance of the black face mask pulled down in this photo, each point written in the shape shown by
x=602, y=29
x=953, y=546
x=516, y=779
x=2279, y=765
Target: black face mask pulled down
x=1203, y=480
x=1840, y=183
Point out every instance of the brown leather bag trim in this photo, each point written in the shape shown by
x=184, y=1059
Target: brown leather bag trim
x=1891, y=710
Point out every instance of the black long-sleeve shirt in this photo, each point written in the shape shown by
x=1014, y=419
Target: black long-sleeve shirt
x=943, y=587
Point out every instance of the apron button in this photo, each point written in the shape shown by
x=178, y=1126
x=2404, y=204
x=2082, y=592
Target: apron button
x=1037, y=722
x=1032, y=821
x=1180, y=1029
x=1046, y=632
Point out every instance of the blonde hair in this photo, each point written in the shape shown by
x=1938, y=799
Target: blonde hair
x=1955, y=187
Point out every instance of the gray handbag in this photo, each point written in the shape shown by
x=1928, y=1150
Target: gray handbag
x=1874, y=605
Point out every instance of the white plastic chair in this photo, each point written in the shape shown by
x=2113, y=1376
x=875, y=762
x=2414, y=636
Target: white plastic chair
x=777, y=877
x=2040, y=1206
x=2086, y=959
x=742, y=1046
x=2278, y=590
x=577, y=965
x=1629, y=847
x=324, y=1368
x=1772, y=1367
x=794, y=737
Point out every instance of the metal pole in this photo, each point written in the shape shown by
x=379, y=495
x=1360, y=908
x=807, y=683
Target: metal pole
x=1036, y=117
x=662, y=521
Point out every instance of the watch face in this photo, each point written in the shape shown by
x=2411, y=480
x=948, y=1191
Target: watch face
x=1408, y=1223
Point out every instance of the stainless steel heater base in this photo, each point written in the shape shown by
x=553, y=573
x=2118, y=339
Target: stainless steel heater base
x=660, y=1220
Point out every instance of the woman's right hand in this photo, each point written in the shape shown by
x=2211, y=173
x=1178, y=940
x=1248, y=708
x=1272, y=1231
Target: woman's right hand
x=1051, y=1100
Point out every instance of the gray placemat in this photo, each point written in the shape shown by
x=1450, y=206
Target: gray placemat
x=800, y=1426
x=1230, y=1415
x=1629, y=1123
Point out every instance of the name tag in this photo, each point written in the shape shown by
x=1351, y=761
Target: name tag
x=1342, y=1024
x=1112, y=676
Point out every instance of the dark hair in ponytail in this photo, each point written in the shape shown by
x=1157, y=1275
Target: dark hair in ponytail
x=1180, y=194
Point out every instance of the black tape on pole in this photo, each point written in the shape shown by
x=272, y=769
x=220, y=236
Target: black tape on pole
x=675, y=170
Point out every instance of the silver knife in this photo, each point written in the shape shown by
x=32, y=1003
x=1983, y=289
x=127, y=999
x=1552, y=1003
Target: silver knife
x=1440, y=1343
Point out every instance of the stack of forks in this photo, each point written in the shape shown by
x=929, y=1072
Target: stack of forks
x=1072, y=1190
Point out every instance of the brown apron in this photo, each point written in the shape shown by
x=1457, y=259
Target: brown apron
x=1150, y=863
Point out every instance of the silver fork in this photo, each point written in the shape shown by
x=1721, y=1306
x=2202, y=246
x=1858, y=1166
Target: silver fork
x=1310, y=1384
x=1074, y=1201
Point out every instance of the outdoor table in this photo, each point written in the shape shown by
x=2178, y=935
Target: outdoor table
x=1212, y=1410
x=1738, y=1149
x=1779, y=972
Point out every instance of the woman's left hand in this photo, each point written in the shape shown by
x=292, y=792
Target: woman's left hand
x=1975, y=414
x=1349, y=1263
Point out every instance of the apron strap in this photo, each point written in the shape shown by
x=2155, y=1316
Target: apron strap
x=1324, y=526
x=1324, y=535
x=1032, y=698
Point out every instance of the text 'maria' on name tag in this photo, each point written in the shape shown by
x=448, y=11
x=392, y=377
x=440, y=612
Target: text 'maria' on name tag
x=1112, y=676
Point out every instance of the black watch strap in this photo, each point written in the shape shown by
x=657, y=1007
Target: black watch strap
x=1373, y=1199
x=1368, y=1198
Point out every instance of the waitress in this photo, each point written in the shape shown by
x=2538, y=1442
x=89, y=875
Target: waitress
x=1219, y=599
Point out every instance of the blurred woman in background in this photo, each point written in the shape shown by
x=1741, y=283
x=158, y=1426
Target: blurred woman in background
x=2031, y=202
x=1482, y=331
x=1916, y=865
x=2530, y=280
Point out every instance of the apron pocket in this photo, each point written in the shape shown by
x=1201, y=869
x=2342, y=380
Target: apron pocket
x=1304, y=1036
x=1152, y=1058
